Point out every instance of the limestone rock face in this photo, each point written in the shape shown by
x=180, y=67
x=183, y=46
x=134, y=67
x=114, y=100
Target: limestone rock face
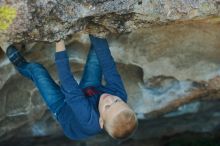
x=167, y=52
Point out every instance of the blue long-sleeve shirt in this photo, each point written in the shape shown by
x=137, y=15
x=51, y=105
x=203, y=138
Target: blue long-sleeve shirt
x=79, y=116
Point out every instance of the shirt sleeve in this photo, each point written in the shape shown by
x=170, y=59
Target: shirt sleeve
x=109, y=70
x=74, y=97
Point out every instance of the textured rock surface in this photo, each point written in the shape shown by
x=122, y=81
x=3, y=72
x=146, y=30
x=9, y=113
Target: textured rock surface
x=171, y=80
x=51, y=19
x=167, y=53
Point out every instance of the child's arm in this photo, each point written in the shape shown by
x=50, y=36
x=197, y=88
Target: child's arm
x=111, y=75
x=67, y=80
x=74, y=97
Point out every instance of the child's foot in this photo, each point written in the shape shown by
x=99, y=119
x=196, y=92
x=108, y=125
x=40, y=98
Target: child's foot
x=15, y=56
x=96, y=41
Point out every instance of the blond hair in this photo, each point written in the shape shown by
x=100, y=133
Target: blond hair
x=122, y=125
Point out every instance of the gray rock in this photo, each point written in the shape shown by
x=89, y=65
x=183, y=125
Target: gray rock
x=51, y=20
x=167, y=53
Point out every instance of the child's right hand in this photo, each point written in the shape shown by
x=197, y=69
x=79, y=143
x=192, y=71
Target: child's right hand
x=60, y=46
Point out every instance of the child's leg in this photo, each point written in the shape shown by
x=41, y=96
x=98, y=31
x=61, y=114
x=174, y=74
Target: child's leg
x=92, y=75
x=49, y=90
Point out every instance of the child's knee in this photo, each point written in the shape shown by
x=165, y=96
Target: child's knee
x=36, y=66
x=37, y=70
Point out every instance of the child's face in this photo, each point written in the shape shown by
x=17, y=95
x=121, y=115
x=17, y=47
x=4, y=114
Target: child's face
x=109, y=106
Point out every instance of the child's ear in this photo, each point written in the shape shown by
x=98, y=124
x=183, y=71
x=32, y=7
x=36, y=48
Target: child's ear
x=101, y=122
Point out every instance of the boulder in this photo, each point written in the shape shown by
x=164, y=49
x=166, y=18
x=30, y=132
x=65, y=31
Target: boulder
x=167, y=52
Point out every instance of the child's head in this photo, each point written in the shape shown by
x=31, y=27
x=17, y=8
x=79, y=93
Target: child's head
x=116, y=116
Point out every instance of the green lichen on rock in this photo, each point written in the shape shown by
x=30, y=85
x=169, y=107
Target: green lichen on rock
x=7, y=15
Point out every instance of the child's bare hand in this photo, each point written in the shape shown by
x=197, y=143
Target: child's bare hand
x=60, y=46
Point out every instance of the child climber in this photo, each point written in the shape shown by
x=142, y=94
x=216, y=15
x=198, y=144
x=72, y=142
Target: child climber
x=86, y=108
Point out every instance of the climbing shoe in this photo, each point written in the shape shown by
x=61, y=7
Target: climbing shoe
x=15, y=56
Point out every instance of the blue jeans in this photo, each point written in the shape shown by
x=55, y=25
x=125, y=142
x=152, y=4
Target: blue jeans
x=50, y=91
x=92, y=75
